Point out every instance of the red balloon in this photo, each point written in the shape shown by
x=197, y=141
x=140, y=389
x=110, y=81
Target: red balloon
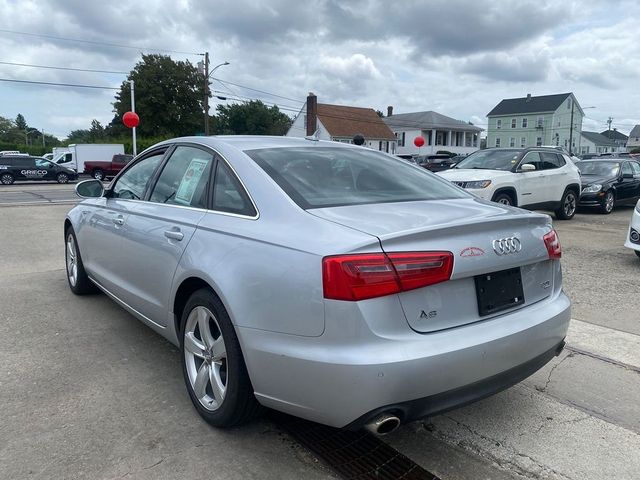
x=131, y=119
x=418, y=141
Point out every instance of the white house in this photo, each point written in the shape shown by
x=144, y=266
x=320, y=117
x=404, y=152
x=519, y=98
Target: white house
x=594, y=142
x=634, y=138
x=438, y=131
x=341, y=124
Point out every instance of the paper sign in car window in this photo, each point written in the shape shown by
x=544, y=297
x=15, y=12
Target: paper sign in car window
x=190, y=180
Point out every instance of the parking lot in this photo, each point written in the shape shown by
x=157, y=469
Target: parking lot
x=89, y=392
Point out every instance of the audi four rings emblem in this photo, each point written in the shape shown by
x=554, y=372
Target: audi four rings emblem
x=505, y=246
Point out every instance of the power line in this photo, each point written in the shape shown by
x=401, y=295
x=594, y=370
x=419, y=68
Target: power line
x=59, y=84
x=62, y=68
x=259, y=91
x=92, y=42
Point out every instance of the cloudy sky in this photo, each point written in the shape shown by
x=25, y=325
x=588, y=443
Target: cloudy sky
x=456, y=57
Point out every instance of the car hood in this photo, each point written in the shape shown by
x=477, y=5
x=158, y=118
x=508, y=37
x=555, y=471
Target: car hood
x=392, y=219
x=469, y=174
x=589, y=179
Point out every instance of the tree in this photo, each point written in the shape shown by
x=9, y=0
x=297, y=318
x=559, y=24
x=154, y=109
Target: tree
x=169, y=98
x=21, y=123
x=96, y=132
x=380, y=114
x=251, y=118
x=78, y=136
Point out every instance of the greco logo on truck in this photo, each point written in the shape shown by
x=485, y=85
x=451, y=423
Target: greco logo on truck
x=33, y=172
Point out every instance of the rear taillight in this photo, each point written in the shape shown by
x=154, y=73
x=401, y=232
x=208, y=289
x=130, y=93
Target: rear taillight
x=369, y=275
x=552, y=242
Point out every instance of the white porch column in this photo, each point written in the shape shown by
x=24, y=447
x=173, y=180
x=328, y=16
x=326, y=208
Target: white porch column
x=449, y=135
x=433, y=139
x=464, y=139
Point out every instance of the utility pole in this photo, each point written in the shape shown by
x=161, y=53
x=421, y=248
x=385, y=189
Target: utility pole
x=609, y=121
x=43, y=137
x=571, y=128
x=206, y=93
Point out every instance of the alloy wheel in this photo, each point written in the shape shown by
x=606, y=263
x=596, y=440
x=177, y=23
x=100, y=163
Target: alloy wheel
x=205, y=358
x=63, y=178
x=6, y=179
x=569, y=205
x=72, y=260
x=504, y=201
x=608, y=202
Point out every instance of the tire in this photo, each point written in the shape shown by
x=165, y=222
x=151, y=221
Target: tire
x=637, y=252
x=568, y=206
x=98, y=174
x=503, y=199
x=608, y=202
x=62, y=178
x=216, y=356
x=77, y=278
x=6, y=179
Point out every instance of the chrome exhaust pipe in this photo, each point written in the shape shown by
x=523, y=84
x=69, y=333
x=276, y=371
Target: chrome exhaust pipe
x=383, y=424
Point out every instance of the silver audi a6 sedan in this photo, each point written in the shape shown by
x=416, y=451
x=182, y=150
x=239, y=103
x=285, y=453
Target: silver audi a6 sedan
x=324, y=280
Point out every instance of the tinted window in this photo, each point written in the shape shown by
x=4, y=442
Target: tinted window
x=626, y=169
x=636, y=168
x=316, y=177
x=228, y=194
x=23, y=162
x=184, y=178
x=133, y=182
x=548, y=161
x=121, y=159
x=491, y=160
x=42, y=163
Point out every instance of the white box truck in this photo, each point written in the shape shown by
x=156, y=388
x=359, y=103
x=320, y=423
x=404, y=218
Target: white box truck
x=76, y=154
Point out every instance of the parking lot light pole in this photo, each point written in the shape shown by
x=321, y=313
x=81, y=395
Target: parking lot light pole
x=133, y=109
x=207, y=76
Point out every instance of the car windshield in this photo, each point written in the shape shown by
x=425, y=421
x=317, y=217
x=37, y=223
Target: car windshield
x=602, y=169
x=317, y=177
x=490, y=160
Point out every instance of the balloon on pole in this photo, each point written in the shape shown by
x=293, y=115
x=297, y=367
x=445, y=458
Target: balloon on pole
x=418, y=142
x=131, y=119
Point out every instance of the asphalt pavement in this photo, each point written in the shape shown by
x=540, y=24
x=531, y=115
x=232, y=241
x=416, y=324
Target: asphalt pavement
x=35, y=193
x=87, y=391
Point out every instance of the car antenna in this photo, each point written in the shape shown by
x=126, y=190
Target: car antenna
x=314, y=137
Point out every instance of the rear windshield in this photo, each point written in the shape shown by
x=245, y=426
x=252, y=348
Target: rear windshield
x=491, y=160
x=316, y=177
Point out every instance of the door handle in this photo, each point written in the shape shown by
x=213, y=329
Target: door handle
x=174, y=234
x=119, y=220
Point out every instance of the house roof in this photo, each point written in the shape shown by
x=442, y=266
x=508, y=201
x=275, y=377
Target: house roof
x=342, y=121
x=614, y=135
x=543, y=103
x=599, y=139
x=428, y=120
x=635, y=132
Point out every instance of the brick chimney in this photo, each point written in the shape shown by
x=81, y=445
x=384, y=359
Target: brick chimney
x=312, y=113
x=389, y=110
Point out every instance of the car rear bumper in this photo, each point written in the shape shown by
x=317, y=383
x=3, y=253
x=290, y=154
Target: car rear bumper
x=344, y=379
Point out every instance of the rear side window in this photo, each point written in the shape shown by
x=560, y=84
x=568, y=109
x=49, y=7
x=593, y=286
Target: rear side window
x=184, y=178
x=316, y=177
x=228, y=194
x=22, y=163
x=548, y=161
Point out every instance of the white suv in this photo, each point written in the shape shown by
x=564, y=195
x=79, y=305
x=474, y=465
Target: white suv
x=533, y=178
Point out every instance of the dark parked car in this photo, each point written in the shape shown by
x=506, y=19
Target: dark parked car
x=609, y=182
x=20, y=167
x=588, y=156
x=101, y=170
x=437, y=162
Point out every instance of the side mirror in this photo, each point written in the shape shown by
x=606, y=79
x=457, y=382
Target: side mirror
x=527, y=167
x=90, y=189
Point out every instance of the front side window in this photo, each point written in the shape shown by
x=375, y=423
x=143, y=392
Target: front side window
x=532, y=158
x=184, y=178
x=635, y=166
x=228, y=193
x=626, y=169
x=133, y=182
x=317, y=177
x=548, y=161
x=44, y=164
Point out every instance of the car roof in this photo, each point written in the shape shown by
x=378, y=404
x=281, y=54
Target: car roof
x=255, y=142
x=608, y=159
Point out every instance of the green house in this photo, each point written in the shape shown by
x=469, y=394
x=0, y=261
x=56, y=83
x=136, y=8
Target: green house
x=535, y=121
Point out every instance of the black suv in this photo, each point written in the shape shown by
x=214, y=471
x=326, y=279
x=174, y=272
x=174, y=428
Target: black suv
x=14, y=168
